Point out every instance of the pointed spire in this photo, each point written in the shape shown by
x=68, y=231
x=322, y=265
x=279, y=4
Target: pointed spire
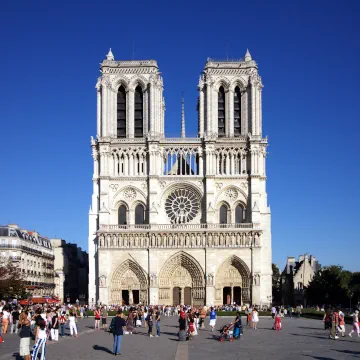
x=110, y=55
x=247, y=55
x=182, y=119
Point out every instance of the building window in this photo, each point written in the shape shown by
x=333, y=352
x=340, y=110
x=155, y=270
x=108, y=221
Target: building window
x=239, y=214
x=237, y=112
x=121, y=112
x=223, y=216
x=122, y=215
x=221, y=112
x=138, y=131
x=139, y=214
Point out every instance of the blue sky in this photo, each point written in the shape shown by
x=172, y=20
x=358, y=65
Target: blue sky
x=308, y=54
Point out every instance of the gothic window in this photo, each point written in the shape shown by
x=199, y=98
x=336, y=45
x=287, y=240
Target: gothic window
x=121, y=112
x=139, y=112
x=122, y=215
x=239, y=214
x=221, y=112
x=139, y=214
x=237, y=112
x=223, y=214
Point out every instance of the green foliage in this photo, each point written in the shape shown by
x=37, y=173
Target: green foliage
x=276, y=284
x=11, y=281
x=331, y=286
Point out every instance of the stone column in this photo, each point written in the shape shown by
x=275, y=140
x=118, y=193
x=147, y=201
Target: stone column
x=182, y=296
x=232, y=295
x=201, y=113
x=208, y=108
x=151, y=104
x=98, y=112
x=131, y=297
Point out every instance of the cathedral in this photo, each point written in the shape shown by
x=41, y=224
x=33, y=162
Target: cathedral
x=179, y=220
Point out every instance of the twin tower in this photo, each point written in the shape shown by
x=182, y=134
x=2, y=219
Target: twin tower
x=179, y=220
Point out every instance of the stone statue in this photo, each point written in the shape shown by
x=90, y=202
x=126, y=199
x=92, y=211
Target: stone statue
x=193, y=240
x=198, y=239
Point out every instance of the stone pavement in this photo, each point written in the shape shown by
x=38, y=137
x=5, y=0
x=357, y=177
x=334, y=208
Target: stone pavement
x=299, y=339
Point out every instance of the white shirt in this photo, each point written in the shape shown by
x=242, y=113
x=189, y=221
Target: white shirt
x=72, y=319
x=6, y=314
x=273, y=309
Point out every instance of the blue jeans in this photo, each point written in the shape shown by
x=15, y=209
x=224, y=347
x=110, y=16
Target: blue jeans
x=158, y=328
x=62, y=329
x=117, y=343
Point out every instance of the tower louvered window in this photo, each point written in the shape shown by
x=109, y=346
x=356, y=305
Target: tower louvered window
x=221, y=112
x=121, y=113
x=138, y=112
x=237, y=112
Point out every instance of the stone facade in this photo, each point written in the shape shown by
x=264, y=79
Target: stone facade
x=179, y=220
x=296, y=276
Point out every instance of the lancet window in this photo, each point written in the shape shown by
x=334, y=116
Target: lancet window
x=237, y=112
x=239, y=214
x=223, y=214
x=181, y=161
x=139, y=215
x=139, y=113
x=221, y=112
x=230, y=161
x=121, y=112
x=122, y=215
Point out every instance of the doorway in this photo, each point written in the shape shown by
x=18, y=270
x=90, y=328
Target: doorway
x=125, y=297
x=176, y=296
x=187, y=296
x=227, y=295
x=136, y=296
x=237, y=295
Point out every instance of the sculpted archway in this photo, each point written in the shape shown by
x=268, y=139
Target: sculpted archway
x=129, y=280
x=233, y=281
x=184, y=274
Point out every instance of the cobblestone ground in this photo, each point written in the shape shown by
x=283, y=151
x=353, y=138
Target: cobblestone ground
x=299, y=339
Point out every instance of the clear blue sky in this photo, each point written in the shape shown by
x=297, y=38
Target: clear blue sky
x=309, y=57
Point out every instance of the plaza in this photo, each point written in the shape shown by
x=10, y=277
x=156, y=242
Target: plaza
x=299, y=339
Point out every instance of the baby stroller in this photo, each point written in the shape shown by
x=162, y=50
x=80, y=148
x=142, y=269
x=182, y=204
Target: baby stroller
x=226, y=333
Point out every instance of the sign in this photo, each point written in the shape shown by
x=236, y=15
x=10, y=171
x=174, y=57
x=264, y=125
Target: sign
x=68, y=300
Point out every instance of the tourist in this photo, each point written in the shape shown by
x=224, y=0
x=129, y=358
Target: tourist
x=341, y=326
x=25, y=338
x=117, y=328
x=327, y=319
x=290, y=312
x=15, y=320
x=145, y=316
x=157, y=322
x=355, y=323
x=150, y=322
x=5, y=320
x=55, y=327
x=273, y=312
x=202, y=317
x=182, y=326
x=334, y=324
x=237, y=326
x=254, y=318
x=212, y=322
x=130, y=322
x=97, y=318
x=104, y=315
x=62, y=321
x=40, y=340
x=72, y=324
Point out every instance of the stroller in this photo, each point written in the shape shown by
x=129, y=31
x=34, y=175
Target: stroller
x=226, y=333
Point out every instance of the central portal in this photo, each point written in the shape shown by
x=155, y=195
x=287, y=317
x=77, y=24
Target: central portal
x=176, y=296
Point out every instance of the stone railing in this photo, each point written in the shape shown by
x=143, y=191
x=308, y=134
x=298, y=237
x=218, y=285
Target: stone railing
x=177, y=227
x=179, y=236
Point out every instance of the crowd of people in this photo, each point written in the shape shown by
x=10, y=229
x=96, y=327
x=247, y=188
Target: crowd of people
x=44, y=323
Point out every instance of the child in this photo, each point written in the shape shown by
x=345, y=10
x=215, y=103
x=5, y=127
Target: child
x=277, y=324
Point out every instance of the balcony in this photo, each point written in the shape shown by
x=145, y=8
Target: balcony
x=180, y=236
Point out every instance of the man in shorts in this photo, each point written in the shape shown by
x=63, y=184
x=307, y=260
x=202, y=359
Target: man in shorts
x=25, y=338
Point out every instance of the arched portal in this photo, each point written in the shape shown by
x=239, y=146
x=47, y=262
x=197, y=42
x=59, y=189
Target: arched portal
x=129, y=284
x=232, y=282
x=181, y=281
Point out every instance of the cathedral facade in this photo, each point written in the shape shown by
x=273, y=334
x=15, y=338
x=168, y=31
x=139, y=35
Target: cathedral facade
x=179, y=220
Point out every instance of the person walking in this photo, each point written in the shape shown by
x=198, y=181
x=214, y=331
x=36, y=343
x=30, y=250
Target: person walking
x=117, y=328
x=341, y=326
x=355, y=323
x=334, y=324
x=202, y=318
x=5, y=320
x=104, y=315
x=150, y=322
x=157, y=322
x=130, y=322
x=97, y=318
x=55, y=327
x=15, y=321
x=40, y=341
x=255, y=318
x=273, y=312
x=72, y=324
x=212, y=322
x=25, y=338
x=62, y=321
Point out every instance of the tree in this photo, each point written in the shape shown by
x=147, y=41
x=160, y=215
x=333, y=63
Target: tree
x=11, y=280
x=276, y=282
x=329, y=286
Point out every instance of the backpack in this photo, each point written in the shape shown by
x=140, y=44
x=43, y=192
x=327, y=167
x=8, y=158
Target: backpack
x=112, y=325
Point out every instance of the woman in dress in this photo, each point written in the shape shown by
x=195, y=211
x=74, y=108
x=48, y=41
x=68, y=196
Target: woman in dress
x=254, y=318
x=97, y=318
x=130, y=322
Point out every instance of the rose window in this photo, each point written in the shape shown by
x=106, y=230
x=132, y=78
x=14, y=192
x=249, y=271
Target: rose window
x=182, y=206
